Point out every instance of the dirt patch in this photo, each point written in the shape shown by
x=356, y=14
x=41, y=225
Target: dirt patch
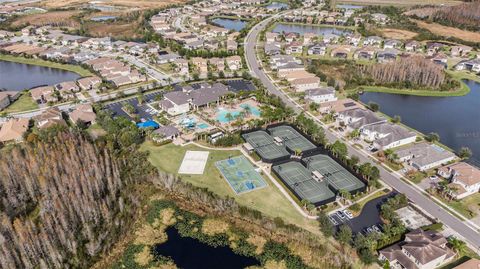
x=144, y=257
x=402, y=3
x=214, y=226
x=138, y=4
x=398, y=33
x=449, y=31
x=55, y=18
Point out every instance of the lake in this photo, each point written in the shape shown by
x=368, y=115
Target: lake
x=302, y=29
x=230, y=24
x=189, y=253
x=18, y=77
x=277, y=5
x=346, y=6
x=455, y=119
x=103, y=18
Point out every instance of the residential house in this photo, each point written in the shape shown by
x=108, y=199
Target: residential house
x=385, y=135
x=218, y=64
x=413, y=46
x=234, y=63
x=392, y=44
x=271, y=37
x=83, y=113
x=358, y=118
x=89, y=83
x=294, y=47
x=375, y=41
x=7, y=97
x=181, y=66
x=320, y=95
x=303, y=84
x=50, y=117
x=472, y=263
x=231, y=45
x=424, y=156
x=317, y=49
x=43, y=94
x=472, y=65
x=460, y=51
x=464, y=179
x=433, y=48
x=13, y=130
x=387, y=55
x=290, y=37
x=308, y=37
x=272, y=49
x=200, y=64
x=341, y=52
x=380, y=18
x=167, y=58
x=67, y=89
x=289, y=67
x=330, y=38
x=365, y=53
x=419, y=250
x=338, y=106
x=440, y=59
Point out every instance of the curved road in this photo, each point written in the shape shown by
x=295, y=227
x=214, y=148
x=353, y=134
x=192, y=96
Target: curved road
x=466, y=230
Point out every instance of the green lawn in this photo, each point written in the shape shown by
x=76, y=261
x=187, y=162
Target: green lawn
x=460, y=92
x=23, y=103
x=269, y=200
x=68, y=67
x=468, y=207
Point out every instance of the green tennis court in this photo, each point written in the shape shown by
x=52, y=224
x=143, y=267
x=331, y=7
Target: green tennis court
x=336, y=176
x=292, y=139
x=240, y=174
x=265, y=146
x=300, y=181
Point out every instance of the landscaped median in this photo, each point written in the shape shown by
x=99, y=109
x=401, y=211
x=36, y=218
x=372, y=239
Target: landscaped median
x=35, y=61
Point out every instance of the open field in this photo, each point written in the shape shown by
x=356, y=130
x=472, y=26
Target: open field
x=397, y=33
x=140, y=4
x=269, y=200
x=57, y=18
x=23, y=103
x=68, y=67
x=401, y=3
x=449, y=31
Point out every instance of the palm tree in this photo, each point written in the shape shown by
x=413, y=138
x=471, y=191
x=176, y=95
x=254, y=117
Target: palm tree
x=229, y=117
x=457, y=245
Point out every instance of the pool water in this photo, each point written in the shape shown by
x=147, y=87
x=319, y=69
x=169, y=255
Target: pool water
x=202, y=126
x=222, y=113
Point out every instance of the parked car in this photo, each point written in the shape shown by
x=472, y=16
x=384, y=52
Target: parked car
x=340, y=215
x=376, y=229
x=370, y=148
x=332, y=220
x=348, y=214
x=433, y=178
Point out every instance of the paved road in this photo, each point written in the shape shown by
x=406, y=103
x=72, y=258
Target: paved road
x=465, y=230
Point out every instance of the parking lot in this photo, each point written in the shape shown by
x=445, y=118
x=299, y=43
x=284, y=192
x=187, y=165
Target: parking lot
x=368, y=218
x=143, y=110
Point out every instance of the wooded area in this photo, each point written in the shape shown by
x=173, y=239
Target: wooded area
x=466, y=15
x=409, y=72
x=64, y=202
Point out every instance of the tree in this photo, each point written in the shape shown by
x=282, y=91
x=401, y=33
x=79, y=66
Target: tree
x=373, y=106
x=465, y=153
x=432, y=137
x=229, y=117
x=457, y=245
x=344, y=235
x=325, y=224
x=396, y=119
x=314, y=106
x=339, y=149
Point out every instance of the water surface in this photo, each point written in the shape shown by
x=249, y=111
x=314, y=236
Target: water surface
x=302, y=29
x=189, y=253
x=230, y=24
x=455, y=119
x=18, y=76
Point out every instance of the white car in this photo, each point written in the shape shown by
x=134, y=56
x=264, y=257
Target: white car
x=370, y=148
x=376, y=229
x=348, y=214
x=340, y=215
x=433, y=178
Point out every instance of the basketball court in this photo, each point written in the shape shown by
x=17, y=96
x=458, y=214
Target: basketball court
x=240, y=174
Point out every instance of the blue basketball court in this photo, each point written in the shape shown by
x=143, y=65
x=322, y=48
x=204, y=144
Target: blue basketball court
x=240, y=174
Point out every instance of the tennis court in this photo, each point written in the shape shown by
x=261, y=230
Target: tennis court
x=292, y=139
x=240, y=174
x=300, y=181
x=265, y=146
x=194, y=162
x=336, y=176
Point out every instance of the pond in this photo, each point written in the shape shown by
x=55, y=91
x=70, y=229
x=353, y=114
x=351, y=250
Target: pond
x=277, y=5
x=455, y=119
x=303, y=28
x=103, y=18
x=189, y=253
x=230, y=24
x=18, y=76
x=346, y=6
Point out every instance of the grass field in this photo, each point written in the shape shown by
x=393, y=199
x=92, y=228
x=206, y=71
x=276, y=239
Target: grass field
x=68, y=67
x=460, y=92
x=141, y=4
x=449, y=31
x=397, y=33
x=401, y=3
x=23, y=103
x=269, y=200
x=58, y=18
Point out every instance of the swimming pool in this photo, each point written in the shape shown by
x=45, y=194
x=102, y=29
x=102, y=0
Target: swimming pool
x=222, y=113
x=202, y=126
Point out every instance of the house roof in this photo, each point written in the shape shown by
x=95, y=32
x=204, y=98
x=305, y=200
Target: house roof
x=13, y=129
x=320, y=91
x=83, y=112
x=394, y=132
x=464, y=172
x=470, y=264
x=425, y=153
x=365, y=117
x=167, y=131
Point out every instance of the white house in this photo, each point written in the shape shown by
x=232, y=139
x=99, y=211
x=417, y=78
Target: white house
x=464, y=179
x=303, y=84
x=320, y=95
x=385, y=135
x=424, y=156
